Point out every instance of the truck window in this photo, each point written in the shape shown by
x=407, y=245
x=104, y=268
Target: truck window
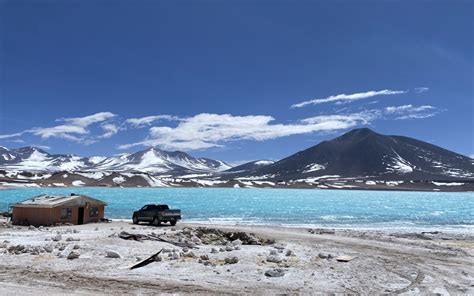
x=162, y=207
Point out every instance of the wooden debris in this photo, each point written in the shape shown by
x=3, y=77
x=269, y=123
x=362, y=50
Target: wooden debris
x=147, y=261
x=131, y=236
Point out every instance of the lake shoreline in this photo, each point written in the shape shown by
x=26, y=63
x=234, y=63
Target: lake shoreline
x=286, y=260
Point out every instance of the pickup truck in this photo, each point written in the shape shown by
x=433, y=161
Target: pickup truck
x=155, y=214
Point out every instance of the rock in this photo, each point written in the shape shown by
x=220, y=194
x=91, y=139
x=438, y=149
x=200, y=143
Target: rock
x=231, y=260
x=273, y=252
x=237, y=248
x=277, y=272
x=73, y=255
x=112, y=254
x=323, y=256
x=76, y=247
x=139, y=258
x=214, y=250
x=97, y=229
x=75, y=231
x=221, y=250
x=229, y=248
x=204, y=257
x=57, y=238
x=344, y=258
x=31, y=227
x=174, y=256
x=274, y=259
x=165, y=250
x=237, y=242
x=289, y=253
x=196, y=240
x=190, y=254
x=48, y=248
x=185, y=249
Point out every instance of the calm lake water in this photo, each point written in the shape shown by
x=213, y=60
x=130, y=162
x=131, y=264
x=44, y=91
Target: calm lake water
x=331, y=208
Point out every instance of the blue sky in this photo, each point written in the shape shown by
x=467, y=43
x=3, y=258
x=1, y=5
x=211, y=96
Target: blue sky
x=233, y=80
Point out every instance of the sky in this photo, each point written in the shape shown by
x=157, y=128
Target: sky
x=233, y=80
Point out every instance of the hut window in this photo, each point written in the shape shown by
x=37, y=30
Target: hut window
x=94, y=212
x=66, y=213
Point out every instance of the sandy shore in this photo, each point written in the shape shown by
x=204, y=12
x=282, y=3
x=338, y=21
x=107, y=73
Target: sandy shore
x=35, y=261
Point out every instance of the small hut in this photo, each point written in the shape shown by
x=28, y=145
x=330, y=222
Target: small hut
x=49, y=210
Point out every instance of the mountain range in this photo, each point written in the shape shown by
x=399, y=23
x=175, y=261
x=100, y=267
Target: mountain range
x=358, y=156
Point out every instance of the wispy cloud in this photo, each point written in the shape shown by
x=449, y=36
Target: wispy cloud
x=349, y=97
x=412, y=112
x=206, y=130
x=422, y=89
x=148, y=120
x=110, y=129
x=72, y=129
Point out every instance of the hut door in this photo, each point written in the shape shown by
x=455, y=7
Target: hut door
x=80, y=216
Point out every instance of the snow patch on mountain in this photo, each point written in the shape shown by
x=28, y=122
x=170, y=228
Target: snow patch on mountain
x=314, y=167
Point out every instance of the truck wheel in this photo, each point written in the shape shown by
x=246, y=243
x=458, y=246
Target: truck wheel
x=156, y=221
x=173, y=222
x=135, y=220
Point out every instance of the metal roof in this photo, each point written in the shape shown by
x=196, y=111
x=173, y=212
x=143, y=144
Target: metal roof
x=50, y=201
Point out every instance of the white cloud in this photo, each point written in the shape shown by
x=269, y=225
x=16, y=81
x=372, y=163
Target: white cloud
x=349, y=97
x=148, y=120
x=7, y=136
x=110, y=129
x=213, y=130
x=412, y=112
x=420, y=90
x=73, y=129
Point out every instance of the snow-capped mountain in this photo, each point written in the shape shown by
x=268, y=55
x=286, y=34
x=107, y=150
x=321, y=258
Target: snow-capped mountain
x=363, y=153
x=152, y=160
x=156, y=161
x=249, y=166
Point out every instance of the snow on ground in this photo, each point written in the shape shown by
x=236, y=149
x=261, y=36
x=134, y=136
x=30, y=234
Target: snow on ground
x=314, y=167
x=118, y=180
x=447, y=184
x=78, y=183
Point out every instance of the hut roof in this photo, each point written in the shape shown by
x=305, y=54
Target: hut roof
x=51, y=201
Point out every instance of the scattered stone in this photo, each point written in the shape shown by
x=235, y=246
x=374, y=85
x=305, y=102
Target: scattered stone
x=344, y=258
x=76, y=231
x=289, y=253
x=221, y=250
x=165, y=250
x=273, y=252
x=31, y=227
x=196, y=240
x=139, y=258
x=277, y=272
x=73, y=255
x=185, y=249
x=76, y=247
x=190, y=255
x=274, y=259
x=72, y=239
x=57, y=238
x=231, y=260
x=48, y=248
x=214, y=250
x=237, y=248
x=229, y=248
x=173, y=256
x=112, y=254
x=323, y=256
x=97, y=228
x=204, y=257
x=237, y=242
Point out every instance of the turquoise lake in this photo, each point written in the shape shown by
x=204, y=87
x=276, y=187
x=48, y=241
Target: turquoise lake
x=326, y=208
